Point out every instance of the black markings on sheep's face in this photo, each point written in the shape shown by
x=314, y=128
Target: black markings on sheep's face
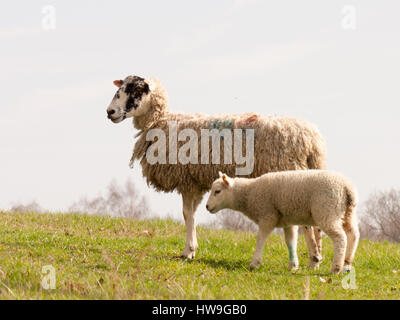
x=134, y=87
x=117, y=95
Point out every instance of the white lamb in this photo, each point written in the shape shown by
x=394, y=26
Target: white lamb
x=283, y=199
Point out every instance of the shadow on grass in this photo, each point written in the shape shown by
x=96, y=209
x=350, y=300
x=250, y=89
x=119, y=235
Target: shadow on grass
x=224, y=264
x=244, y=266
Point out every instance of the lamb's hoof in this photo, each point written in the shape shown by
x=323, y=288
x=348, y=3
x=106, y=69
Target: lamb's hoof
x=346, y=269
x=336, y=270
x=314, y=263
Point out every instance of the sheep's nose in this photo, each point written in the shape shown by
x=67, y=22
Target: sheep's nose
x=207, y=206
x=110, y=112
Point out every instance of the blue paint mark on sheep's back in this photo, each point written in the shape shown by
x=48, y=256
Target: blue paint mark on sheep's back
x=221, y=124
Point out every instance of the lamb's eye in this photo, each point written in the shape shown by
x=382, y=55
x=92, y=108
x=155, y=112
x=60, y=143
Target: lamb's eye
x=217, y=191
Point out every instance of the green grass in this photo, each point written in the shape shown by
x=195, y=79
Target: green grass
x=107, y=258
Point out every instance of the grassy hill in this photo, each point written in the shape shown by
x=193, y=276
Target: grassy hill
x=107, y=258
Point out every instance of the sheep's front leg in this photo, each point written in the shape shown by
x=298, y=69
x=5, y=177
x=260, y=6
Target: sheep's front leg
x=264, y=231
x=291, y=234
x=190, y=203
x=315, y=257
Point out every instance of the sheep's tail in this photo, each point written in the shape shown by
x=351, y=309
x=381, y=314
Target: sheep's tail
x=316, y=160
x=317, y=157
x=132, y=162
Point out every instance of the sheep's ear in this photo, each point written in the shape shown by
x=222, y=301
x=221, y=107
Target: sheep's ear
x=226, y=180
x=151, y=83
x=118, y=83
x=220, y=174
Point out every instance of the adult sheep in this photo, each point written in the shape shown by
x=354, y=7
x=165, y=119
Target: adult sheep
x=280, y=143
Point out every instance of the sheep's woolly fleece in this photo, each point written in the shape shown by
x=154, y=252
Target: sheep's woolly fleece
x=280, y=143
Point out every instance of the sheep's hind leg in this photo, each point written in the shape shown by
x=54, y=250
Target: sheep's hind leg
x=190, y=203
x=291, y=234
x=339, y=239
x=315, y=257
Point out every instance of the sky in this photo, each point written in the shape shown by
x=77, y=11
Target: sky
x=334, y=64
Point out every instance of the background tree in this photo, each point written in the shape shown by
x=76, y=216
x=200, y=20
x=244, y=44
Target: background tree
x=29, y=207
x=380, y=216
x=233, y=220
x=119, y=201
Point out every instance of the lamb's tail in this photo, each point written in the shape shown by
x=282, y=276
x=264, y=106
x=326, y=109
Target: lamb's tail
x=351, y=203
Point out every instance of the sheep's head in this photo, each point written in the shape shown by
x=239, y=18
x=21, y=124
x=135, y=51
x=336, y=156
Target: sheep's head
x=131, y=99
x=220, y=195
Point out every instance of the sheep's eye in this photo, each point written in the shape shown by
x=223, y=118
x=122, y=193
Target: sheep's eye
x=217, y=191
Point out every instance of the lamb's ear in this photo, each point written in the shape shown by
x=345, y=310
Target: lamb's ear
x=118, y=83
x=226, y=180
x=220, y=174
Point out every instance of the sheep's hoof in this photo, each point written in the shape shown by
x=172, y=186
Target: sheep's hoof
x=313, y=265
x=188, y=255
x=293, y=267
x=255, y=265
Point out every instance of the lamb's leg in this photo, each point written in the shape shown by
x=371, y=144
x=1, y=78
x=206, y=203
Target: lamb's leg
x=314, y=256
x=318, y=239
x=291, y=234
x=264, y=230
x=339, y=239
x=353, y=235
x=190, y=203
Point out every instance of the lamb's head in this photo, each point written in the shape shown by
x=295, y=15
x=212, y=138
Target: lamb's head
x=132, y=99
x=221, y=193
